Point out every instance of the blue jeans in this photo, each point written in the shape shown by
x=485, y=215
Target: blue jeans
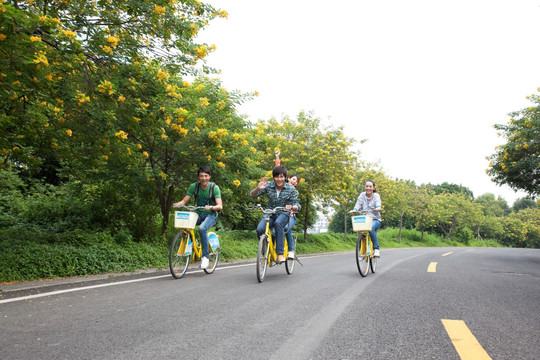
x=290, y=241
x=205, y=221
x=278, y=222
x=373, y=233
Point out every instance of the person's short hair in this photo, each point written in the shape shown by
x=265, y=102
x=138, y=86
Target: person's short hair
x=278, y=170
x=204, y=169
x=298, y=176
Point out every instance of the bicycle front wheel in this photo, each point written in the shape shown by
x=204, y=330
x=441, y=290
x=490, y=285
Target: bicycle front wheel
x=362, y=260
x=373, y=264
x=213, y=260
x=178, y=260
x=372, y=259
x=262, y=257
x=289, y=264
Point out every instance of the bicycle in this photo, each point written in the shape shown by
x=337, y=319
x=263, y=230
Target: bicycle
x=266, y=254
x=185, y=245
x=364, y=246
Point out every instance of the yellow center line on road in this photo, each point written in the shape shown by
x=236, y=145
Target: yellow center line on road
x=448, y=253
x=467, y=347
x=432, y=267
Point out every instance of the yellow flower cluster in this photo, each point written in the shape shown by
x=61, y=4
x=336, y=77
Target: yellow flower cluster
x=35, y=38
x=160, y=10
x=69, y=132
x=113, y=41
x=163, y=75
x=220, y=164
x=82, y=97
x=106, y=87
x=2, y=37
x=204, y=102
x=121, y=134
x=121, y=98
x=69, y=34
x=236, y=183
x=41, y=59
x=107, y=49
x=201, y=122
x=201, y=51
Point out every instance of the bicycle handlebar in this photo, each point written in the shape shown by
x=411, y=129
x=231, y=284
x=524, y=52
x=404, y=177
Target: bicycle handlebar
x=268, y=211
x=189, y=207
x=360, y=212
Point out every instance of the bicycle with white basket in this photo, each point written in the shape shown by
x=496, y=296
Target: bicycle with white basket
x=362, y=224
x=185, y=246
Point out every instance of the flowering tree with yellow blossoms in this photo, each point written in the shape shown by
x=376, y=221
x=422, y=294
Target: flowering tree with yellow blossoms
x=321, y=156
x=517, y=163
x=94, y=92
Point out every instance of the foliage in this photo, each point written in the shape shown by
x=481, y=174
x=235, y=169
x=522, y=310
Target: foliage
x=491, y=206
x=99, y=253
x=320, y=156
x=517, y=162
x=525, y=203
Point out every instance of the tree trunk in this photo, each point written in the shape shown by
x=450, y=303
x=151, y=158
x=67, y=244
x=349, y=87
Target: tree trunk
x=400, y=227
x=345, y=222
x=306, y=212
x=166, y=198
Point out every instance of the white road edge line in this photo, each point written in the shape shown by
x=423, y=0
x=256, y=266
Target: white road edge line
x=35, y=296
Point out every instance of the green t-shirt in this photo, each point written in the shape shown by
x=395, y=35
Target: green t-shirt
x=203, y=195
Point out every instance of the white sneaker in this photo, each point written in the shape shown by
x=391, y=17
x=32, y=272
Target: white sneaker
x=204, y=263
x=290, y=255
x=376, y=253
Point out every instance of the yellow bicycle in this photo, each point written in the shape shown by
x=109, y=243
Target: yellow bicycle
x=185, y=245
x=364, y=246
x=266, y=254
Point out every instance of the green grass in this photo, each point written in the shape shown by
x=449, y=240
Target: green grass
x=87, y=254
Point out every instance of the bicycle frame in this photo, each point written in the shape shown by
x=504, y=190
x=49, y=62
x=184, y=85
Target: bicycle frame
x=196, y=247
x=271, y=251
x=366, y=243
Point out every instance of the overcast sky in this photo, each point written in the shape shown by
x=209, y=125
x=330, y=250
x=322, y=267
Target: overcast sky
x=424, y=81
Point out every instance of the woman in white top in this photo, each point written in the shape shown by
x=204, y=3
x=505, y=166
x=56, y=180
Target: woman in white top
x=370, y=201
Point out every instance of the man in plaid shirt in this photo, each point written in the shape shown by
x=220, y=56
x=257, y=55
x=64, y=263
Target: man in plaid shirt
x=279, y=193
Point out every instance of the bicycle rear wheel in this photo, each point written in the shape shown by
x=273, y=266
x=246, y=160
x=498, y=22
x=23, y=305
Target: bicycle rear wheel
x=289, y=264
x=362, y=260
x=178, y=260
x=262, y=257
x=213, y=260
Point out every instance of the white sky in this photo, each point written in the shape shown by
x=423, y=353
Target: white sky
x=423, y=80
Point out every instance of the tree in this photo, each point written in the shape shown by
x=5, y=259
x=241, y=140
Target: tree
x=491, y=206
x=452, y=189
x=525, y=203
x=453, y=213
x=93, y=92
x=321, y=156
x=517, y=162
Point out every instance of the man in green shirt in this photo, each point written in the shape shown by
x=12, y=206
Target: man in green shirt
x=206, y=194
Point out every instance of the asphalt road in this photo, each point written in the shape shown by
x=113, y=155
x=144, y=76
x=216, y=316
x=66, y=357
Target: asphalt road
x=325, y=310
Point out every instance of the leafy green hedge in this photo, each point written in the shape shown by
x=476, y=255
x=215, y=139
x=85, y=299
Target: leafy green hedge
x=28, y=255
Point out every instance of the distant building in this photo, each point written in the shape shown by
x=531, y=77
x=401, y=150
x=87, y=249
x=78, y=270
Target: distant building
x=320, y=226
